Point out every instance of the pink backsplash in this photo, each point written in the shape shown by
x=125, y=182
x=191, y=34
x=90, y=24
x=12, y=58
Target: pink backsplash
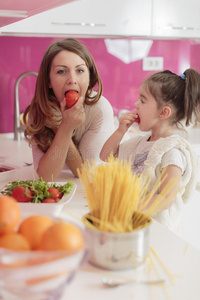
x=121, y=81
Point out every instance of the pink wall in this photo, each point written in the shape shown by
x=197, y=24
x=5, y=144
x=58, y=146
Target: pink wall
x=121, y=81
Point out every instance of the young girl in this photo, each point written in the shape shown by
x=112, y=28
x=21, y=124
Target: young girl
x=165, y=100
x=62, y=137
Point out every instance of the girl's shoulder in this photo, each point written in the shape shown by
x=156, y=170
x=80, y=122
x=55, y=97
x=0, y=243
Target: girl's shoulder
x=172, y=141
x=168, y=145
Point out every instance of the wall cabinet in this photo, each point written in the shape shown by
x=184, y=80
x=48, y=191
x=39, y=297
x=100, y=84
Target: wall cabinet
x=114, y=18
x=12, y=11
x=176, y=18
x=106, y=18
x=89, y=18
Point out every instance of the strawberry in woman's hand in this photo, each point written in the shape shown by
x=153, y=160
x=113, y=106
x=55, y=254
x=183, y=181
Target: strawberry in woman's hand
x=71, y=98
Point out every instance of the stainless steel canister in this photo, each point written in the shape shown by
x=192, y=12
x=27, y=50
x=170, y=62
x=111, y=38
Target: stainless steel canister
x=118, y=251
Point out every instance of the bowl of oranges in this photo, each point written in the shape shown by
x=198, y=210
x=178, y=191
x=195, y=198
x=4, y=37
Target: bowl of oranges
x=39, y=254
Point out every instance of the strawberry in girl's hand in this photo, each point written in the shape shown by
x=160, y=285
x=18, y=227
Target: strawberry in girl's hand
x=71, y=98
x=137, y=120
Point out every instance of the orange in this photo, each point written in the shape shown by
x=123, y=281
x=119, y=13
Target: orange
x=33, y=228
x=14, y=241
x=10, y=214
x=62, y=236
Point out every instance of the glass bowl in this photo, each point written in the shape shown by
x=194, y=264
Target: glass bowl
x=37, y=275
x=7, y=171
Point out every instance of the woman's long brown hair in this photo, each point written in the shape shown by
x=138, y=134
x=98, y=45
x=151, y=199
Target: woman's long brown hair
x=43, y=113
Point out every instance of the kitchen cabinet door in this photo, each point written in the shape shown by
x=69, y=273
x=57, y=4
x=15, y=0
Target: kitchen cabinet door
x=108, y=17
x=90, y=18
x=176, y=18
x=13, y=11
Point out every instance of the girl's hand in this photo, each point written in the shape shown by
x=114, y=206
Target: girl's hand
x=126, y=120
x=75, y=116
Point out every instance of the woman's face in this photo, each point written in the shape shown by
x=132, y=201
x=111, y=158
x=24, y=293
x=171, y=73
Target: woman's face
x=68, y=72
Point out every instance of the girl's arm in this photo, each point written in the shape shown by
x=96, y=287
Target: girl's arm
x=112, y=144
x=171, y=175
x=52, y=162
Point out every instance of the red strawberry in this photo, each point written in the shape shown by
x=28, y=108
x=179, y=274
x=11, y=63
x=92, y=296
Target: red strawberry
x=71, y=98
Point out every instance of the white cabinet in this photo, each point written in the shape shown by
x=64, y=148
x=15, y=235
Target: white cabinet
x=112, y=18
x=176, y=18
x=12, y=11
x=106, y=17
x=89, y=18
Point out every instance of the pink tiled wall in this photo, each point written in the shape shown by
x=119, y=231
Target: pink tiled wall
x=121, y=81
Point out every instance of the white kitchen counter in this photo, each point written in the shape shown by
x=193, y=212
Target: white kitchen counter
x=181, y=268
x=181, y=260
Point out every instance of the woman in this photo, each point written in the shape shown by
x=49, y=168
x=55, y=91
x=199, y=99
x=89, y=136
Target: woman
x=62, y=136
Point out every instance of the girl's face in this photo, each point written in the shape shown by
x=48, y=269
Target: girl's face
x=147, y=109
x=68, y=72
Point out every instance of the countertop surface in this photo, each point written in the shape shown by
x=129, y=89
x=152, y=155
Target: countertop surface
x=170, y=257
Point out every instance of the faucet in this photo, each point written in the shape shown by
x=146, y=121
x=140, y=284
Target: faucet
x=19, y=129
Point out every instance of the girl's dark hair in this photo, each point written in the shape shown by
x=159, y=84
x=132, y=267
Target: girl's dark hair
x=42, y=109
x=182, y=92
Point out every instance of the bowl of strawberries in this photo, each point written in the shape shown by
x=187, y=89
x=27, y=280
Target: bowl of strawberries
x=39, y=196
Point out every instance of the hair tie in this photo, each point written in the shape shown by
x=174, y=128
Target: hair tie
x=183, y=76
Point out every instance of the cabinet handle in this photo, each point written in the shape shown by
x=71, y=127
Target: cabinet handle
x=182, y=28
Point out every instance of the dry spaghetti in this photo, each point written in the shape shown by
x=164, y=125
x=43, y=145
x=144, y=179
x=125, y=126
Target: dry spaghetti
x=116, y=197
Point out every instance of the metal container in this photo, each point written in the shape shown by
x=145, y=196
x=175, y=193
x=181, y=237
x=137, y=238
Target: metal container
x=118, y=251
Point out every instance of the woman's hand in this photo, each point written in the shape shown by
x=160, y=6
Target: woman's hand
x=57, y=155
x=75, y=116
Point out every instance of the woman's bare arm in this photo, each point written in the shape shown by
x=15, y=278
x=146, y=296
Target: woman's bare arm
x=74, y=159
x=52, y=162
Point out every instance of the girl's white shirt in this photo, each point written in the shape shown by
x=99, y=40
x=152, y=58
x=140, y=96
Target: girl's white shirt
x=152, y=157
x=91, y=135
